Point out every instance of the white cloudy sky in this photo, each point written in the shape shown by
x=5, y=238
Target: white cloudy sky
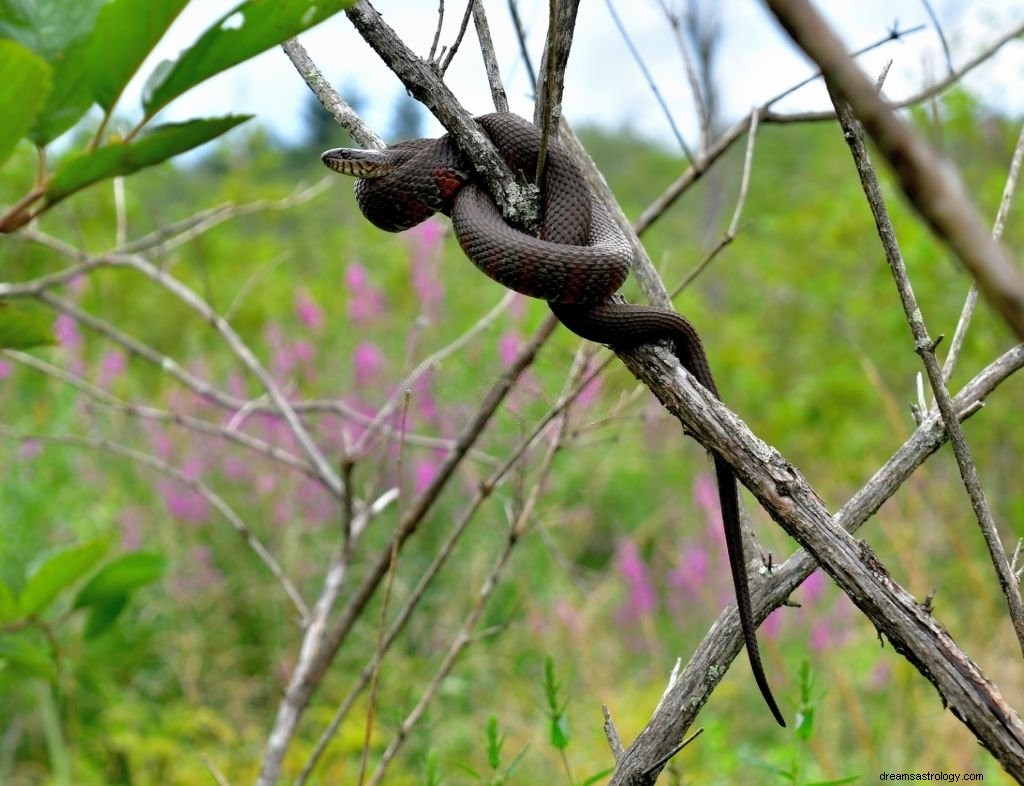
x=604, y=83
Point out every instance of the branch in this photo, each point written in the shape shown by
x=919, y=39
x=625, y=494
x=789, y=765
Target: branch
x=787, y=497
x=925, y=347
x=929, y=181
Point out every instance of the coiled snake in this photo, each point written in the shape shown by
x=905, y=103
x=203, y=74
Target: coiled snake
x=579, y=261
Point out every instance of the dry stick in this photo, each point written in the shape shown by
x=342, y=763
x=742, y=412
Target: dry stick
x=1009, y=189
x=447, y=60
x=696, y=89
x=483, y=34
x=432, y=360
x=733, y=229
x=547, y=112
x=108, y=401
x=464, y=635
x=924, y=94
x=346, y=117
x=325, y=472
x=925, y=347
x=700, y=165
x=485, y=490
x=39, y=289
x=784, y=493
x=163, y=468
x=930, y=182
x=649, y=78
x=426, y=86
x=310, y=670
x=524, y=52
x=432, y=55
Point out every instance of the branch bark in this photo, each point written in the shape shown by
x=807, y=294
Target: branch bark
x=928, y=179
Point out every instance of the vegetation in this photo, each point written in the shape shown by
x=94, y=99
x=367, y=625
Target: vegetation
x=142, y=641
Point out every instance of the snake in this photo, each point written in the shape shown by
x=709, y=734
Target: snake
x=577, y=262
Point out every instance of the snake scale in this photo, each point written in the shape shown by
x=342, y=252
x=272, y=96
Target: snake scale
x=577, y=263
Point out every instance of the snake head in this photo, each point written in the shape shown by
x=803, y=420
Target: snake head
x=363, y=164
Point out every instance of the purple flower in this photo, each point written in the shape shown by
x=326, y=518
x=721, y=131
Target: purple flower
x=111, y=367
x=690, y=574
x=368, y=361
x=182, y=502
x=508, y=347
x=641, y=598
x=66, y=331
x=308, y=310
x=365, y=301
x=426, y=404
x=705, y=494
x=426, y=278
x=424, y=473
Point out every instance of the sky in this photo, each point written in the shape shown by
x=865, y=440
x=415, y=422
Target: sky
x=604, y=84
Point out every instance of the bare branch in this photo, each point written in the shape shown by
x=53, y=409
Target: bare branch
x=927, y=178
x=925, y=347
x=163, y=468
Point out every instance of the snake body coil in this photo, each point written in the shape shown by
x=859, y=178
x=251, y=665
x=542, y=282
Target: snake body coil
x=576, y=264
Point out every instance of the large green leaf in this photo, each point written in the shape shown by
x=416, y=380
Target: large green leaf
x=122, y=577
x=23, y=329
x=69, y=99
x=125, y=32
x=57, y=31
x=48, y=27
x=57, y=573
x=24, y=84
x=249, y=29
x=159, y=144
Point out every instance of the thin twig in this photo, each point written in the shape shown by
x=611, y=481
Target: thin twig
x=524, y=51
x=925, y=347
x=113, y=403
x=463, y=26
x=1009, y=189
x=651, y=84
x=930, y=182
x=483, y=34
x=305, y=680
x=193, y=484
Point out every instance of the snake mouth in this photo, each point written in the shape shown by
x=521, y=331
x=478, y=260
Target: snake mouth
x=364, y=164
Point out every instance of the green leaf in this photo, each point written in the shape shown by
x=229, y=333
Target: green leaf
x=159, y=144
x=69, y=99
x=559, y=731
x=244, y=32
x=125, y=33
x=48, y=27
x=24, y=85
x=56, y=30
x=23, y=329
x=121, y=577
x=8, y=604
x=103, y=615
x=21, y=653
x=57, y=573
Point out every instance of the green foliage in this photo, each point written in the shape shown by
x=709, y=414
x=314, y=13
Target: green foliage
x=794, y=773
x=24, y=328
x=180, y=644
x=58, y=59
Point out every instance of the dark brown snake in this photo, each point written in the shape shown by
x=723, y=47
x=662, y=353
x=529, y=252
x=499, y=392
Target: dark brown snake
x=579, y=261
